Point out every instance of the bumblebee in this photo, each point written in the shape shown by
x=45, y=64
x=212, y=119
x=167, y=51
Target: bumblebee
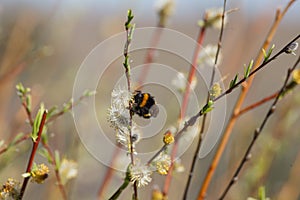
x=143, y=104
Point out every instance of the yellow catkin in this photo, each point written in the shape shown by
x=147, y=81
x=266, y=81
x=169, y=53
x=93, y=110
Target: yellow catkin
x=168, y=138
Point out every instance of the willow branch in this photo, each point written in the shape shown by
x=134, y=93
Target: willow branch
x=258, y=131
x=33, y=152
x=184, y=104
x=201, y=134
x=245, y=89
x=194, y=118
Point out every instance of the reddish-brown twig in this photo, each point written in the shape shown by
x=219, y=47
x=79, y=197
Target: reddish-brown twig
x=193, y=119
x=258, y=103
x=13, y=72
x=23, y=138
x=47, y=147
x=28, y=112
x=54, y=164
x=109, y=172
x=33, y=152
x=195, y=157
x=185, y=103
x=258, y=131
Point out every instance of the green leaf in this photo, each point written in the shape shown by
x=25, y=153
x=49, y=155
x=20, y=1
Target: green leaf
x=88, y=93
x=34, y=167
x=264, y=52
x=52, y=112
x=208, y=107
x=20, y=88
x=57, y=159
x=201, y=23
x=248, y=69
x=45, y=135
x=234, y=81
x=68, y=105
x=37, y=122
x=262, y=193
x=27, y=90
x=129, y=19
x=28, y=102
x=267, y=55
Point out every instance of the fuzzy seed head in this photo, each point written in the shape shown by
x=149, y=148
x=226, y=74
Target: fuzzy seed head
x=68, y=170
x=141, y=174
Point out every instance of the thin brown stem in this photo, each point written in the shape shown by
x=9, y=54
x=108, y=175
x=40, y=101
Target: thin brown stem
x=258, y=103
x=185, y=103
x=258, y=131
x=193, y=119
x=109, y=172
x=13, y=72
x=54, y=164
x=241, y=98
x=148, y=60
x=23, y=138
x=129, y=32
x=28, y=112
x=33, y=152
x=63, y=111
x=201, y=133
x=29, y=116
x=250, y=77
x=192, y=72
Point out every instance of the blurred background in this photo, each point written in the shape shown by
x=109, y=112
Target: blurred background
x=43, y=43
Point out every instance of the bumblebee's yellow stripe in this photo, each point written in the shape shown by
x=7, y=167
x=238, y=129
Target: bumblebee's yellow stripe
x=145, y=99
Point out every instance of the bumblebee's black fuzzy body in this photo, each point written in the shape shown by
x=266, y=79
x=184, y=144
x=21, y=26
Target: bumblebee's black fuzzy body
x=143, y=104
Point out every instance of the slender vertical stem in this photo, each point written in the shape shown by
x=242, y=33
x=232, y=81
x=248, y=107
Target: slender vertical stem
x=185, y=103
x=28, y=112
x=47, y=147
x=33, y=152
x=129, y=33
x=192, y=72
x=148, y=60
x=195, y=157
x=53, y=162
x=109, y=172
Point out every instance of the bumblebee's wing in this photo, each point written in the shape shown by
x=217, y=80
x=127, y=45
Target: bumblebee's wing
x=154, y=110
